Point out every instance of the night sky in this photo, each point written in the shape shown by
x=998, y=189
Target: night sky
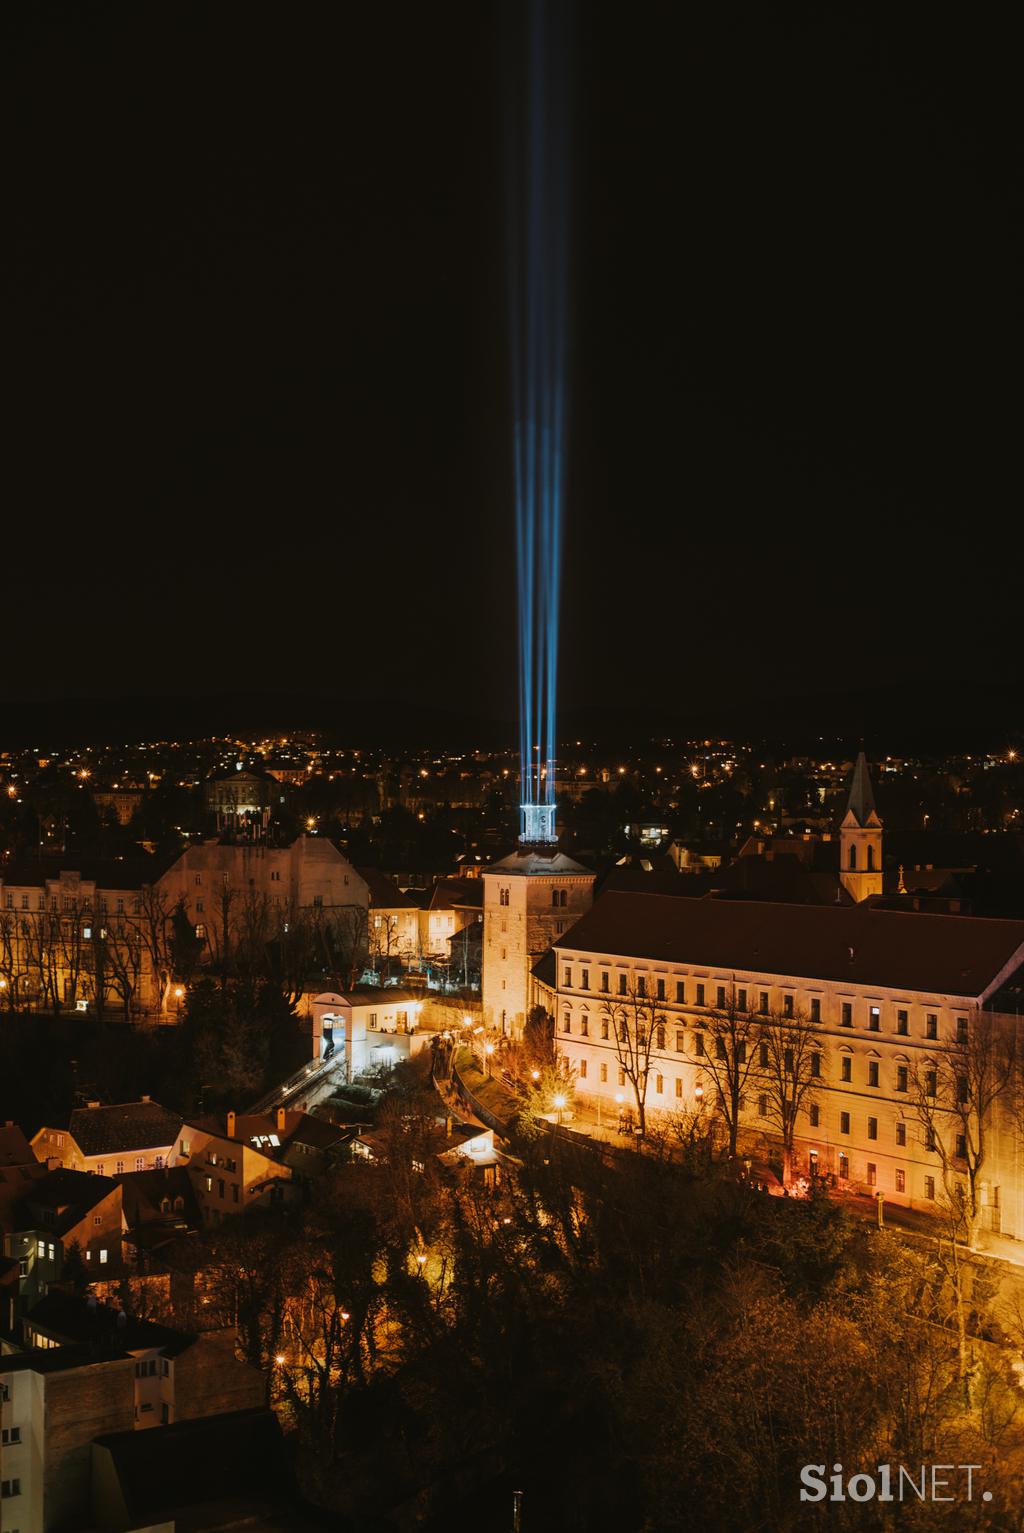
x=258, y=431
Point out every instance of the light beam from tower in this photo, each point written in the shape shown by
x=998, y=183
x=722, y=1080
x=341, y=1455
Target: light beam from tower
x=538, y=302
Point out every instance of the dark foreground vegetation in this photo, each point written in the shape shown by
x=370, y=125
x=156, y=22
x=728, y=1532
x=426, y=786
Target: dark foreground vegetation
x=645, y=1346
x=238, y=1038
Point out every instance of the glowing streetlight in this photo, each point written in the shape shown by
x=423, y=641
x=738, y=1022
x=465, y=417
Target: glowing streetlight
x=535, y=1075
x=488, y=1051
x=279, y=1359
x=559, y=1104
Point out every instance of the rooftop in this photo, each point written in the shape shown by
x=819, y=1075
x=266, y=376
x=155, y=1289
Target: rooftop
x=123, y=1126
x=529, y=862
x=940, y=954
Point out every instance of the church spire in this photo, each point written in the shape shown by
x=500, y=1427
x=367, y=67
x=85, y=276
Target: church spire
x=862, y=798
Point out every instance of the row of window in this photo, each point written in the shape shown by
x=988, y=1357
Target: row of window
x=755, y=1001
x=657, y=1082
x=69, y=903
x=930, y=1079
x=140, y=1165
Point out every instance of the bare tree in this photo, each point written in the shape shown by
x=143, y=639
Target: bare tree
x=383, y=940
x=41, y=937
x=953, y=1092
x=638, y=1029
x=728, y=1057
x=70, y=953
x=124, y=958
x=153, y=918
x=789, y=1059
x=11, y=969
x=344, y=945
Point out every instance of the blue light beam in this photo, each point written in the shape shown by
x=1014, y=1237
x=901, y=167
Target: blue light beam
x=538, y=153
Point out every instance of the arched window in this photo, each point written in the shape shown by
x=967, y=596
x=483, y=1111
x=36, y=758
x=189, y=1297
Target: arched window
x=562, y=897
x=871, y=858
x=554, y=896
x=853, y=858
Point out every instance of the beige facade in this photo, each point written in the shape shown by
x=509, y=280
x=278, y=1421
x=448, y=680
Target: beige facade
x=531, y=899
x=229, y=1175
x=228, y=887
x=874, y=1030
x=69, y=937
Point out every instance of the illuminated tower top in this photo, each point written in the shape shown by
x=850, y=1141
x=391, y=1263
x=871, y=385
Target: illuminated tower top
x=538, y=825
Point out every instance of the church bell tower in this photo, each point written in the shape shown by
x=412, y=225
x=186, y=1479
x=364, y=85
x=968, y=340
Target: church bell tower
x=860, y=838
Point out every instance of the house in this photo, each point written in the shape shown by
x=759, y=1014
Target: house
x=308, y=1145
x=453, y=903
x=374, y=1026
x=18, y=1168
x=99, y=1372
x=113, y=1139
x=393, y=922
x=229, y=1174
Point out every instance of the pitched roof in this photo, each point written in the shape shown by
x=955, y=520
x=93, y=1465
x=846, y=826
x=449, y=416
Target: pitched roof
x=76, y=1321
x=237, y=1456
x=384, y=892
x=530, y=863
x=124, y=1126
x=948, y=955
x=68, y=1195
x=862, y=798
x=446, y=893
x=15, y=1149
x=142, y=1193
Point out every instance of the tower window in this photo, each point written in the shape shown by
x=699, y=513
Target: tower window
x=871, y=857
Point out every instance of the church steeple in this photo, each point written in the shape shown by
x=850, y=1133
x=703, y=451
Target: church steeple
x=860, y=837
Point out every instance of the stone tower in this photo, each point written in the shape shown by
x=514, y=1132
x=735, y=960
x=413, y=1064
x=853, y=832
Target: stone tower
x=860, y=838
x=530, y=897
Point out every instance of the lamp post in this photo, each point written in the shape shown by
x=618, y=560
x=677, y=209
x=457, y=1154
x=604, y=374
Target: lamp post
x=559, y=1103
x=488, y=1051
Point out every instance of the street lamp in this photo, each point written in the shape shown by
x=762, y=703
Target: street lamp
x=488, y=1051
x=559, y=1104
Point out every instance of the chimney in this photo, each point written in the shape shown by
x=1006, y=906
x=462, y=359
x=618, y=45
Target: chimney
x=146, y=1099
x=231, y=1125
x=280, y=1120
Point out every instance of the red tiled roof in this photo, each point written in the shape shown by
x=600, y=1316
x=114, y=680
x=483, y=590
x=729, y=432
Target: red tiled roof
x=947, y=955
